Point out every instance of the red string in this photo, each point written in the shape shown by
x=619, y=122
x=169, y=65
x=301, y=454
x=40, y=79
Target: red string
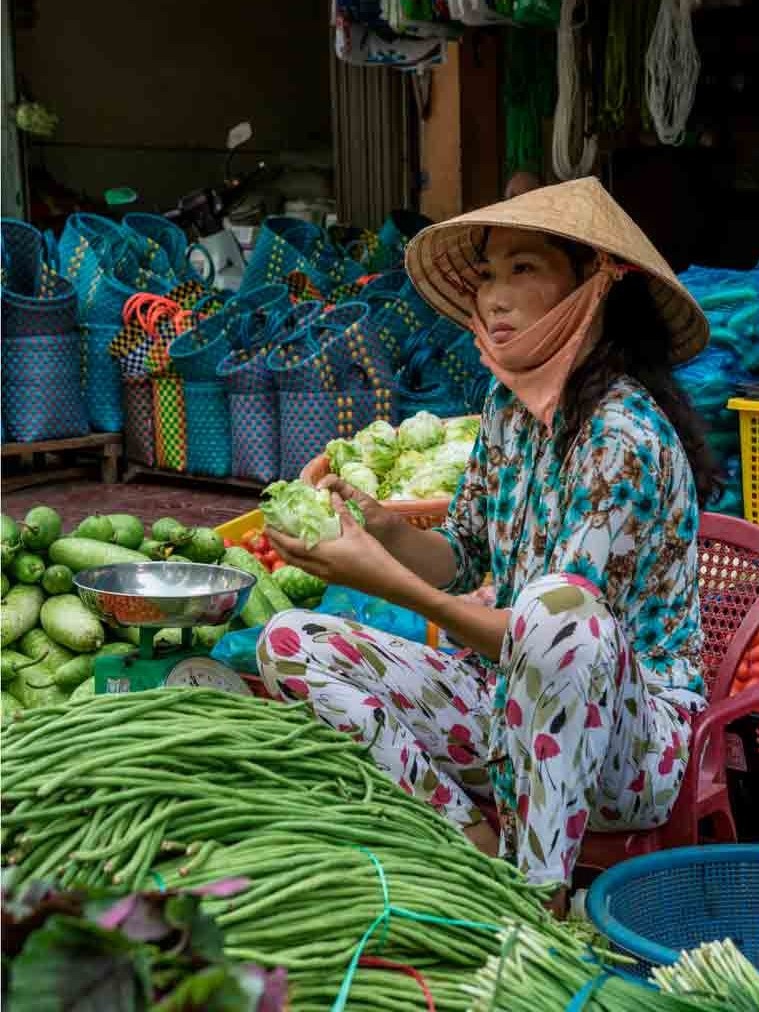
x=150, y=309
x=134, y=307
x=373, y=962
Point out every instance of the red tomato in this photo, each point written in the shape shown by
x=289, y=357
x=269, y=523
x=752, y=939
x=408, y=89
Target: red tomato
x=279, y=564
x=262, y=543
x=270, y=558
x=228, y=543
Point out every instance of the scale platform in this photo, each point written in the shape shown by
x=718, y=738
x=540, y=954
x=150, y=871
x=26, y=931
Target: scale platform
x=161, y=595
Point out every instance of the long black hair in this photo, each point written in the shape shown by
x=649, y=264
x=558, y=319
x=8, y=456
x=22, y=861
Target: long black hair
x=634, y=343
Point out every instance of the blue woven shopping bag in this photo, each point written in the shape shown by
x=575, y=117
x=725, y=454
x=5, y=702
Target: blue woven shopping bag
x=139, y=421
x=398, y=230
x=332, y=345
x=310, y=419
x=41, y=387
x=51, y=308
x=245, y=368
x=101, y=380
x=197, y=353
x=259, y=305
x=253, y=409
x=34, y=298
x=21, y=255
x=107, y=266
x=334, y=378
x=254, y=396
x=154, y=228
x=255, y=435
x=422, y=314
x=283, y=245
x=209, y=439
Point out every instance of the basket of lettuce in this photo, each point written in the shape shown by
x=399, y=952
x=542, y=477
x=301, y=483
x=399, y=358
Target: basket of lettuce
x=413, y=470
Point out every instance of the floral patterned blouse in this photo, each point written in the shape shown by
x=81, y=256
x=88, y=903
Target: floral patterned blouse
x=620, y=509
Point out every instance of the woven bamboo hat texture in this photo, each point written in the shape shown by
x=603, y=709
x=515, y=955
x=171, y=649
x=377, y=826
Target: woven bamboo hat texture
x=442, y=259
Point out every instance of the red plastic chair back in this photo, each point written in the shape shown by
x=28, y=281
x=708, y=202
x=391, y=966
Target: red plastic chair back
x=729, y=590
x=728, y=579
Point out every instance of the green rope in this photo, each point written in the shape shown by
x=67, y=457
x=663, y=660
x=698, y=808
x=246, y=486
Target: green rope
x=615, y=66
x=628, y=35
x=383, y=918
x=158, y=879
x=529, y=95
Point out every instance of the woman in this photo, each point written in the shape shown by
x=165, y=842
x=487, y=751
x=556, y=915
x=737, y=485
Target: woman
x=581, y=497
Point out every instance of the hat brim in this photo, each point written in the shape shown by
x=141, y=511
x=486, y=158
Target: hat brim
x=442, y=259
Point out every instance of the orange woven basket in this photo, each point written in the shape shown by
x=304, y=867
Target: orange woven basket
x=422, y=513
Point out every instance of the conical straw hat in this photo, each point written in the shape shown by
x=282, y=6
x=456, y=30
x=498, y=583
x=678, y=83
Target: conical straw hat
x=443, y=256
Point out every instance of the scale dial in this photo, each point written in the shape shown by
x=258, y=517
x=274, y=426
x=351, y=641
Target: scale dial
x=204, y=673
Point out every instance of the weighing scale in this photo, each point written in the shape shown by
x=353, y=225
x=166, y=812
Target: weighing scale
x=160, y=595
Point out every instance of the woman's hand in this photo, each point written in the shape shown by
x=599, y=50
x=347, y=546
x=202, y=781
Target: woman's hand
x=379, y=521
x=357, y=559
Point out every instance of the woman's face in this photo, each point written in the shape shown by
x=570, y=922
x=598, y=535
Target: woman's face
x=524, y=276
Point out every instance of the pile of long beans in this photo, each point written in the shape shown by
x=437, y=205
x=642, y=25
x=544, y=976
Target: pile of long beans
x=524, y=976
x=715, y=968
x=183, y=787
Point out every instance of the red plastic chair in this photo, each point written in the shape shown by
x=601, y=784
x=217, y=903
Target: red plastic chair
x=729, y=588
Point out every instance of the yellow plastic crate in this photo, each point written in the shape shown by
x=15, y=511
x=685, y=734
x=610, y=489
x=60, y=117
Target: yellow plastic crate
x=749, y=432
x=234, y=529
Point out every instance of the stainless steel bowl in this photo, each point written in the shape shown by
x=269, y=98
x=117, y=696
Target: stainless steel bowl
x=162, y=594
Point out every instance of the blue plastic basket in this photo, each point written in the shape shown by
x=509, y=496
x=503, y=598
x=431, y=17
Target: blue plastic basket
x=101, y=380
x=654, y=906
x=209, y=439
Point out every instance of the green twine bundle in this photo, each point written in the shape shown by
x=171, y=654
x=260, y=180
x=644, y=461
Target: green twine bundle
x=529, y=95
x=628, y=36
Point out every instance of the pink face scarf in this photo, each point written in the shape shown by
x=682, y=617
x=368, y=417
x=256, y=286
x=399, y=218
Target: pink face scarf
x=536, y=363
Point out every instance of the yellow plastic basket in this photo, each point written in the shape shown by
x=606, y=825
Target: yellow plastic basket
x=234, y=529
x=749, y=432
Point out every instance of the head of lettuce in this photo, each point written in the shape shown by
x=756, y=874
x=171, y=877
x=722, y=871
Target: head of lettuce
x=304, y=512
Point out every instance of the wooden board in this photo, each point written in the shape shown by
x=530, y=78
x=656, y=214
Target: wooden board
x=135, y=470
x=54, y=460
x=95, y=440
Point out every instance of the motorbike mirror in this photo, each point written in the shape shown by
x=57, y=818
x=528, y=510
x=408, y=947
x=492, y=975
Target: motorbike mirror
x=239, y=135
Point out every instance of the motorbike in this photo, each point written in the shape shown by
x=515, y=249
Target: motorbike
x=243, y=198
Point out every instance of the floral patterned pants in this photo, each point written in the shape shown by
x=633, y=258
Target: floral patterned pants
x=566, y=733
